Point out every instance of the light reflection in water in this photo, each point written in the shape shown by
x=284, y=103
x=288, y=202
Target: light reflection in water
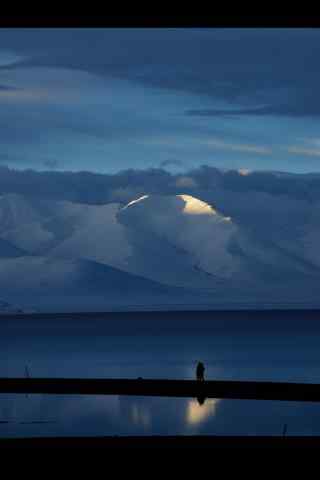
x=51, y=415
x=197, y=413
x=140, y=416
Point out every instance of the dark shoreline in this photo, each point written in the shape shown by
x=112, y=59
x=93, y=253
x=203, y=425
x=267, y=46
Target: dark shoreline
x=245, y=313
x=231, y=389
x=154, y=442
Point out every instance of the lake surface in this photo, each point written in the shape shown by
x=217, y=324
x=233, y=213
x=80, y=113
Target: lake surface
x=267, y=345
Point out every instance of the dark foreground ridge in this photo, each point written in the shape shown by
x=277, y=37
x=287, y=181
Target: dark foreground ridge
x=288, y=311
x=302, y=392
x=150, y=442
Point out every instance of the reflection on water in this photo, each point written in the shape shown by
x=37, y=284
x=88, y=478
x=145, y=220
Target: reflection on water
x=201, y=400
x=46, y=415
x=103, y=349
x=198, y=412
x=140, y=417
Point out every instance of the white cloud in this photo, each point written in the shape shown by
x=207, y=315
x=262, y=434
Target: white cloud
x=256, y=149
x=9, y=58
x=313, y=152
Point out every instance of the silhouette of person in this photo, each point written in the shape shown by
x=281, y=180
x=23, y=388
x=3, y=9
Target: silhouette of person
x=201, y=399
x=200, y=371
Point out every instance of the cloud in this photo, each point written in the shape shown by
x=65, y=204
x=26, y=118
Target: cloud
x=213, y=112
x=302, y=106
x=6, y=88
x=126, y=194
x=51, y=163
x=313, y=152
x=128, y=108
x=9, y=58
x=255, y=149
x=171, y=163
x=186, y=60
x=208, y=183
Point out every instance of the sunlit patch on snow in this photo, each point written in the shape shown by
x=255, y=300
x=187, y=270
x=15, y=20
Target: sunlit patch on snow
x=136, y=201
x=194, y=206
x=244, y=171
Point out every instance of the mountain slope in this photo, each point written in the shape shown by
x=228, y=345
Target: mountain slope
x=52, y=283
x=156, y=249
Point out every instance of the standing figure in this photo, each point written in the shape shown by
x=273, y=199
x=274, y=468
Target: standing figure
x=200, y=371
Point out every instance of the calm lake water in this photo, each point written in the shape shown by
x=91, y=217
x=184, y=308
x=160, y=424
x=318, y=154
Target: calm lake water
x=280, y=346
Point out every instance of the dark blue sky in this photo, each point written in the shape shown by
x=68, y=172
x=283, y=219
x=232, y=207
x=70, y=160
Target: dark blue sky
x=111, y=99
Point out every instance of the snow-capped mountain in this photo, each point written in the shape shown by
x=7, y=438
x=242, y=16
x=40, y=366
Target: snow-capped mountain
x=156, y=249
x=180, y=231
x=59, y=283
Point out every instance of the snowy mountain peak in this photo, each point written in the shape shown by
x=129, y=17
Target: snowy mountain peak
x=186, y=203
x=136, y=201
x=194, y=206
x=190, y=234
